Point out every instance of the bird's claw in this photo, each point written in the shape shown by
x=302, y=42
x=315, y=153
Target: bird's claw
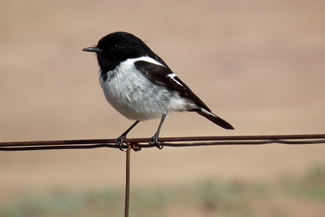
x=119, y=142
x=154, y=141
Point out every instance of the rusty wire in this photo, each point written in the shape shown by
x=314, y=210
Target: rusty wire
x=298, y=139
x=127, y=181
x=138, y=143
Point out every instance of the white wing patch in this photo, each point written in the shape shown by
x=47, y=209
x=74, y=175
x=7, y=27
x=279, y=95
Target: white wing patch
x=146, y=59
x=172, y=76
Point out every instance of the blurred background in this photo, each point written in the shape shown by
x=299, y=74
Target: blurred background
x=258, y=64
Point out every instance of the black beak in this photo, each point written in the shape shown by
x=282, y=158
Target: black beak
x=92, y=49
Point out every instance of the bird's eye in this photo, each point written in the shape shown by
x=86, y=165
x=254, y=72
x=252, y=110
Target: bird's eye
x=114, y=47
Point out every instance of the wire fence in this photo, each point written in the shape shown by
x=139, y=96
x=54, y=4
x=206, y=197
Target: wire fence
x=139, y=143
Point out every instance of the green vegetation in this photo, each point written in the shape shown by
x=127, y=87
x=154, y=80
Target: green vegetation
x=310, y=186
x=206, y=198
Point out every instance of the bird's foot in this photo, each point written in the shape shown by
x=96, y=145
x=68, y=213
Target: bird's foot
x=120, y=142
x=154, y=141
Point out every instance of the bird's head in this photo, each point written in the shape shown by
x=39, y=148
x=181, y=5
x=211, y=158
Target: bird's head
x=117, y=47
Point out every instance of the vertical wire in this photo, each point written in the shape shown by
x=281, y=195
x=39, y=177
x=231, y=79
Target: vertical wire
x=127, y=182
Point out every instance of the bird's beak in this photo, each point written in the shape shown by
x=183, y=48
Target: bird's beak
x=92, y=49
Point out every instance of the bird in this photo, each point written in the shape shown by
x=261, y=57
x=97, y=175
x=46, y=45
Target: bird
x=141, y=86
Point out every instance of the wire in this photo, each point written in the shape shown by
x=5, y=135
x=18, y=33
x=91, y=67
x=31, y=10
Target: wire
x=127, y=182
x=138, y=143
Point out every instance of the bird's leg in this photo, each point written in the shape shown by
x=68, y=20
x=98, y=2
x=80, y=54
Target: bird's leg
x=154, y=139
x=119, y=141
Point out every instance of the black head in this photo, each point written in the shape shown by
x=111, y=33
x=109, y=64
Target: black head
x=117, y=47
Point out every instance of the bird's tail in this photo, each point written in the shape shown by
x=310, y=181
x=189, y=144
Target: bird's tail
x=214, y=118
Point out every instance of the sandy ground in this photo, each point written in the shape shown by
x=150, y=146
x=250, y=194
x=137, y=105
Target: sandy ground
x=258, y=64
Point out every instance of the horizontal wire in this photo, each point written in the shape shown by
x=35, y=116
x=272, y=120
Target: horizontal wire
x=138, y=143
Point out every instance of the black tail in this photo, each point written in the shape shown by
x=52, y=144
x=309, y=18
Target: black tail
x=215, y=119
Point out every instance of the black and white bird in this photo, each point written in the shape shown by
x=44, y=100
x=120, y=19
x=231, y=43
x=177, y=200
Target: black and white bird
x=141, y=86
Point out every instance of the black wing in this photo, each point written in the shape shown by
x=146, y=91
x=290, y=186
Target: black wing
x=164, y=76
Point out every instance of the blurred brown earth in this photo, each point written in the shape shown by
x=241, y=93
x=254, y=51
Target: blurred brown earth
x=258, y=64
